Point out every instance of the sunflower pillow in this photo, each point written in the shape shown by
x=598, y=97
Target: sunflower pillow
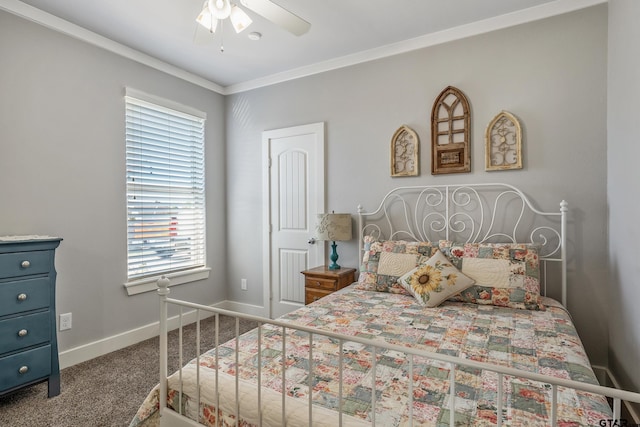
x=435, y=280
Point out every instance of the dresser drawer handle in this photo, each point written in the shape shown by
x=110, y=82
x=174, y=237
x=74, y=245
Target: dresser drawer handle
x=22, y=333
x=25, y=264
x=23, y=369
x=22, y=297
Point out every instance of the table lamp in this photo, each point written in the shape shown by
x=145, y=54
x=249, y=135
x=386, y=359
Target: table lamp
x=335, y=228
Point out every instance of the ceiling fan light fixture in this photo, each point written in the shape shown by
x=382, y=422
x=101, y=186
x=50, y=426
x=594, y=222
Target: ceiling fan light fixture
x=220, y=9
x=239, y=19
x=206, y=19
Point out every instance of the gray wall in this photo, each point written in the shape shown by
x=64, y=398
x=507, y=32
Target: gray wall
x=62, y=171
x=552, y=74
x=622, y=189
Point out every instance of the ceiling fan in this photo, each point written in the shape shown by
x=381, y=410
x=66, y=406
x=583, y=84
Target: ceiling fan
x=218, y=10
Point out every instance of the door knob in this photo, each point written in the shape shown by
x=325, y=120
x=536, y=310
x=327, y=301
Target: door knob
x=312, y=241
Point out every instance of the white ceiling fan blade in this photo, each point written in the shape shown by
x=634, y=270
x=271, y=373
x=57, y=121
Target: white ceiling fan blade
x=205, y=27
x=278, y=15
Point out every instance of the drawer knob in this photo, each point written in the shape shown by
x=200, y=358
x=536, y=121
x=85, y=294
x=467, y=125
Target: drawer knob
x=25, y=264
x=22, y=297
x=23, y=369
x=22, y=333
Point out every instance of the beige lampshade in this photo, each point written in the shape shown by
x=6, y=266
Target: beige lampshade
x=333, y=226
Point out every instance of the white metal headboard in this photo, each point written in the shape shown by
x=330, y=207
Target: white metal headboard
x=464, y=213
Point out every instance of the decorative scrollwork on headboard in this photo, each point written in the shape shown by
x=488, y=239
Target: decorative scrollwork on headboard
x=480, y=213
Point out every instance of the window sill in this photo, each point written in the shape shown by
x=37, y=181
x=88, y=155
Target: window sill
x=149, y=283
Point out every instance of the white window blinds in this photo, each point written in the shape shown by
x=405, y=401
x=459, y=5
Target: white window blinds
x=165, y=189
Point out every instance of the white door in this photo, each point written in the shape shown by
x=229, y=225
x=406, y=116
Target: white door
x=293, y=192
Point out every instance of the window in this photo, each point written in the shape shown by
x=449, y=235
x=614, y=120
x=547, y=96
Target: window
x=165, y=190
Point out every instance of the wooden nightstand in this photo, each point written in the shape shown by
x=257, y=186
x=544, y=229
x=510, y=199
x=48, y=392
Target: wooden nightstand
x=320, y=281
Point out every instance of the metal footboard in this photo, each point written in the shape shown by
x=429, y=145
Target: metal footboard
x=455, y=363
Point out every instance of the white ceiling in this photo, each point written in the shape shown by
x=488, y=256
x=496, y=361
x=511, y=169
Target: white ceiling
x=342, y=31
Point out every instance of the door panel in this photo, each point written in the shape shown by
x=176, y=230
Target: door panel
x=294, y=195
x=291, y=282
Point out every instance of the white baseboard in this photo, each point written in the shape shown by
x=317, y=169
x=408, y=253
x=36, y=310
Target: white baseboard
x=606, y=378
x=254, y=310
x=89, y=351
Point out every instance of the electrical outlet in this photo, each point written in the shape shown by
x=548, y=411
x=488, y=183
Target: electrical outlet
x=65, y=321
x=243, y=284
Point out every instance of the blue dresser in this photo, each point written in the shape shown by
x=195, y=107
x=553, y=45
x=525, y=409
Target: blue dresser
x=28, y=344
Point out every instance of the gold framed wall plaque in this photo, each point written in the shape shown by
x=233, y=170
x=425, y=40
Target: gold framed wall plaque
x=405, y=152
x=450, y=133
x=503, y=143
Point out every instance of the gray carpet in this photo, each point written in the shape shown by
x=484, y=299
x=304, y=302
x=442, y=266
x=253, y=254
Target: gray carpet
x=108, y=390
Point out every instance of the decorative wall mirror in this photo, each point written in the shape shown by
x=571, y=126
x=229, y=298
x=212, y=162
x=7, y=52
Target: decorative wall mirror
x=405, y=147
x=450, y=133
x=503, y=143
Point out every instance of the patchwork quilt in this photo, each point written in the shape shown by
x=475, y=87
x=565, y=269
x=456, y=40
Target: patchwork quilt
x=544, y=342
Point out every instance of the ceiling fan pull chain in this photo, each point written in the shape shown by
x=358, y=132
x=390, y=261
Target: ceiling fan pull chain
x=222, y=35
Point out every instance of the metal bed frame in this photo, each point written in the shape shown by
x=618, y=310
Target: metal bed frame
x=467, y=213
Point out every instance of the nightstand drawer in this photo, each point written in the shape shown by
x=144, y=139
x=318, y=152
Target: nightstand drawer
x=21, y=368
x=24, y=295
x=320, y=283
x=24, y=331
x=18, y=264
x=312, y=295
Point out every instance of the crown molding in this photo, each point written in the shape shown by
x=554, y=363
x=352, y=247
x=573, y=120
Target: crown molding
x=547, y=10
x=50, y=21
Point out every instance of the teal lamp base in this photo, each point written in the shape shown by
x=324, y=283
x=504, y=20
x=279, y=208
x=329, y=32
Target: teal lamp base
x=334, y=257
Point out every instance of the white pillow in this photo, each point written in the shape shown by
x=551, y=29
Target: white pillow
x=490, y=272
x=435, y=281
x=395, y=264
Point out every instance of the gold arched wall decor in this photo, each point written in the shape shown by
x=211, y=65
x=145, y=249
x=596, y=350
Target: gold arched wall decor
x=503, y=143
x=405, y=152
x=450, y=133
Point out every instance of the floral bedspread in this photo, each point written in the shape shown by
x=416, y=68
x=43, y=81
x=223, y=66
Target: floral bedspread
x=545, y=342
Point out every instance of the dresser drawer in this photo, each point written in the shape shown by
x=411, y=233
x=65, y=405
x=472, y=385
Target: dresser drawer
x=25, y=331
x=321, y=283
x=23, y=295
x=16, y=264
x=24, y=367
